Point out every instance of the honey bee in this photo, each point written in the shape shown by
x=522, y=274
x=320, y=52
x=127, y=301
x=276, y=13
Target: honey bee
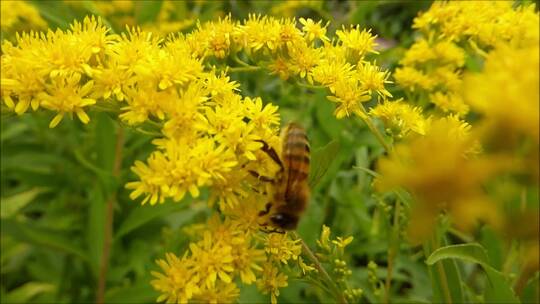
x=291, y=188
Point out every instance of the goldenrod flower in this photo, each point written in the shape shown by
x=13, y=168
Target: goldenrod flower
x=179, y=282
x=516, y=106
x=19, y=15
x=342, y=242
x=412, y=79
x=281, y=248
x=348, y=95
x=360, y=41
x=314, y=30
x=450, y=102
x=222, y=293
x=65, y=95
x=272, y=280
x=444, y=177
x=213, y=260
x=324, y=240
x=400, y=118
x=372, y=78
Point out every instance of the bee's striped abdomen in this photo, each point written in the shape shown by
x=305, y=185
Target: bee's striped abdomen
x=295, y=154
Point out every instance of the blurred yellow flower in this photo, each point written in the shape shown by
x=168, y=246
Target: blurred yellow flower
x=20, y=16
x=400, y=117
x=437, y=171
x=272, y=280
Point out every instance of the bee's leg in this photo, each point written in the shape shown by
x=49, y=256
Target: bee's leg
x=266, y=210
x=257, y=191
x=261, y=177
x=275, y=230
x=271, y=152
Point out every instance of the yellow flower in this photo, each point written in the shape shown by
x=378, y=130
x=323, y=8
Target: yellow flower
x=66, y=95
x=179, y=282
x=361, y=42
x=437, y=171
x=373, y=79
x=342, y=242
x=507, y=91
x=222, y=293
x=280, y=67
x=212, y=261
x=281, y=248
x=413, y=79
x=324, y=240
x=494, y=22
x=420, y=52
x=400, y=117
x=314, y=30
x=330, y=72
x=348, y=96
x=303, y=58
x=180, y=167
x=305, y=267
x=271, y=281
x=216, y=37
x=21, y=16
x=262, y=116
x=246, y=259
x=450, y=102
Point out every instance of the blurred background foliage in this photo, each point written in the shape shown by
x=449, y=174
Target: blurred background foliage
x=55, y=182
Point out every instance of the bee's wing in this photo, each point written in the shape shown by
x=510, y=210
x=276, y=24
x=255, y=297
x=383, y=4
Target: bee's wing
x=321, y=159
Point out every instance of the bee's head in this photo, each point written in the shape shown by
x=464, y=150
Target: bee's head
x=284, y=221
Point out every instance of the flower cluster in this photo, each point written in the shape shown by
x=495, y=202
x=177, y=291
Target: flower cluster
x=306, y=54
x=20, y=16
x=332, y=253
x=210, y=135
x=228, y=251
x=471, y=168
x=452, y=32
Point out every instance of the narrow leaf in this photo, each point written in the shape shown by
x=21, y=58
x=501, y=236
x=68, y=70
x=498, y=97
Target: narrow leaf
x=26, y=292
x=27, y=232
x=498, y=290
x=144, y=214
x=9, y=206
x=321, y=159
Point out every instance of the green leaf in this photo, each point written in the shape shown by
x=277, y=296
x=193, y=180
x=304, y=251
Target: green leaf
x=445, y=278
x=27, y=291
x=321, y=159
x=9, y=206
x=12, y=130
x=30, y=233
x=139, y=293
x=468, y=252
x=530, y=293
x=498, y=290
x=95, y=231
x=144, y=214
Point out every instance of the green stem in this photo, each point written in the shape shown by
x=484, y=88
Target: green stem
x=109, y=218
x=442, y=275
x=244, y=69
x=340, y=297
x=310, y=86
x=392, y=250
x=461, y=235
x=374, y=130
